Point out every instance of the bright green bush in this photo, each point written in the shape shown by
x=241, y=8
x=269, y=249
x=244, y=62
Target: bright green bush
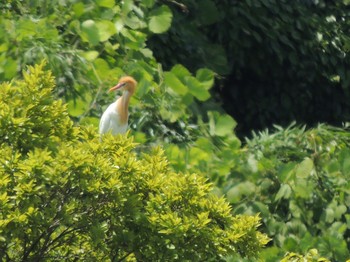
x=72, y=197
x=311, y=256
x=30, y=117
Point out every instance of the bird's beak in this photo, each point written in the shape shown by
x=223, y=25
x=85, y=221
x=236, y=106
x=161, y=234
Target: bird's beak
x=118, y=86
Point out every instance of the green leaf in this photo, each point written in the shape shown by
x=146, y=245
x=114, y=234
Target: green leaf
x=303, y=188
x=284, y=192
x=105, y=3
x=339, y=211
x=26, y=28
x=329, y=215
x=160, y=19
x=287, y=171
x=197, y=154
x=148, y=3
x=105, y=30
x=305, y=168
x=88, y=121
x=90, y=55
x=205, y=144
x=102, y=68
x=206, y=77
x=78, y=9
x=170, y=116
x=90, y=32
x=236, y=193
x=127, y=6
x=172, y=81
x=345, y=160
x=224, y=125
x=10, y=68
x=196, y=89
x=290, y=244
x=134, y=39
x=181, y=72
x=77, y=107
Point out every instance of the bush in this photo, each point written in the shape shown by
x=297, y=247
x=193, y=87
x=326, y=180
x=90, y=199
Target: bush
x=66, y=196
x=298, y=180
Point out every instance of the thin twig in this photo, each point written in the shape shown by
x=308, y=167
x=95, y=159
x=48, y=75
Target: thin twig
x=122, y=258
x=183, y=7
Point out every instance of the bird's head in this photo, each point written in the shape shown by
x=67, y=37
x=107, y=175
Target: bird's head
x=125, y=83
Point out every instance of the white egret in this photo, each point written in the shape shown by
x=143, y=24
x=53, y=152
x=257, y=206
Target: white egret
x=115, y=118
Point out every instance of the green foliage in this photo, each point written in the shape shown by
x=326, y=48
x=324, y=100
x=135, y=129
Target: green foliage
x=311, y=256
x=282, y=60
x=89, y=45
x=73, y=197
x=298, y=180
x=160, y=19
x=29, y=116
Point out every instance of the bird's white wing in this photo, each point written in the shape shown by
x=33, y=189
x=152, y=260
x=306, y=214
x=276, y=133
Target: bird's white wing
x=110, y=122
x=105, y=122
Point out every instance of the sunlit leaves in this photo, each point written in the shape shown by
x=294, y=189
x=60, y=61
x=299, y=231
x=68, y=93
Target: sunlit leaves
x=127, y=6
x=304, y=169
x=196, y=89
x=40, y=113
x=77, y=108
x=311, y=255
x=206, y=77
x=95, y=198
x=105, y=30
x=105, y=3
x=79, y=9
x=175, y=83
x=94, y=32
x=160, y=19
x=134, y=39
x=90, y=32
x=221, y=125
x=224, y=125
x=148, y=3
x=182, y=82
x=90, y=55
x=180, y=71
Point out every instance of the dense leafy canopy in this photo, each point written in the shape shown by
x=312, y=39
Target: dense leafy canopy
x=289, y=59
x=76, y=198
x=281, y=60
x=299, y=180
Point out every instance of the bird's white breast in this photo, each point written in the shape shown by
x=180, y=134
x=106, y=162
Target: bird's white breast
x=110, y=121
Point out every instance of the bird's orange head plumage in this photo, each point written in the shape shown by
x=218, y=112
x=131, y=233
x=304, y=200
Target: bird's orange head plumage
x=127, y=83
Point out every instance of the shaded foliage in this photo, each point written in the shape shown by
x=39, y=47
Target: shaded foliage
x=281, y=60
x=298, y=180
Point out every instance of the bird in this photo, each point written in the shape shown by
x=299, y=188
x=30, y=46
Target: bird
x=115, y=118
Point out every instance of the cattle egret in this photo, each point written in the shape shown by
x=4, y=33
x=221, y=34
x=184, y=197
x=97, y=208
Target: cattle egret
x=115, y=118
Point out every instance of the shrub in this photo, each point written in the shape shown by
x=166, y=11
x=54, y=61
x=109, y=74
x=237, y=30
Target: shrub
x=298, y=180
x=64, y=195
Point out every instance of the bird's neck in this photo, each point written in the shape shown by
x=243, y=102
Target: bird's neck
x=122, y=106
